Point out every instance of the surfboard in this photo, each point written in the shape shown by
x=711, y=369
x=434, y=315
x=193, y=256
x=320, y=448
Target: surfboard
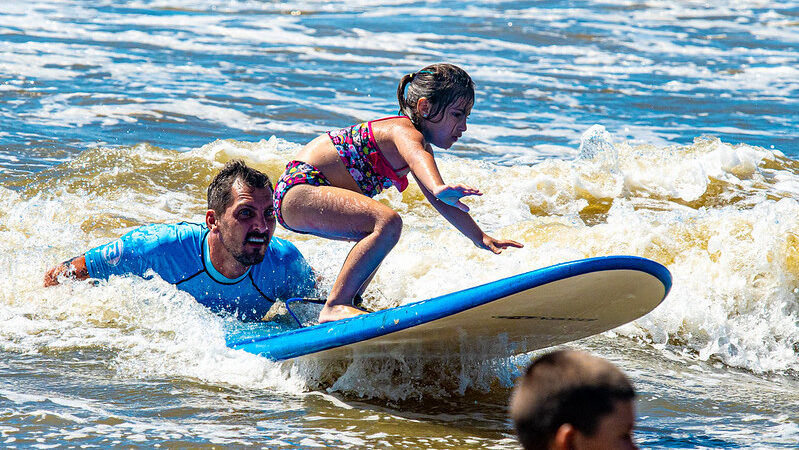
x=518, y=314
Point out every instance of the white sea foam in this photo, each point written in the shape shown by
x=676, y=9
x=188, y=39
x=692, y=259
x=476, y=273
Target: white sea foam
x=628, y=50
x=719, y=214
x=722, y=257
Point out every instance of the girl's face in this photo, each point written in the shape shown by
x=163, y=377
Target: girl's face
x=452, y=125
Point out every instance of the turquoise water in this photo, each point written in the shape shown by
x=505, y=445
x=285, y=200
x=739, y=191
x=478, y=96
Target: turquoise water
x=663, y=130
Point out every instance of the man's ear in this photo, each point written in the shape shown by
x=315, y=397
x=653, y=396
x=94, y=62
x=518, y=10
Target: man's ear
x=564, y=437
x=210, y=219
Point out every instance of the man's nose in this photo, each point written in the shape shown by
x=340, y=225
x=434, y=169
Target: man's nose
x=261, y=223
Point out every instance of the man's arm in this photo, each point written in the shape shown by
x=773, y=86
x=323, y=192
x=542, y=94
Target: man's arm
x=74, y=268
x=162, y=248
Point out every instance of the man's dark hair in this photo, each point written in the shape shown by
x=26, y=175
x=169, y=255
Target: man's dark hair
x=220, y=190
x=441, y=84
x=565, y=386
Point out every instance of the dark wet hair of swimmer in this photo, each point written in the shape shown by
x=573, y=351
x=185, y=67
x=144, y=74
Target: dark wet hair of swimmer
x=571, y=399
x=220, y=191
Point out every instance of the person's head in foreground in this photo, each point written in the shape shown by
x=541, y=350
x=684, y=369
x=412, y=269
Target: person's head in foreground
x=569, y=399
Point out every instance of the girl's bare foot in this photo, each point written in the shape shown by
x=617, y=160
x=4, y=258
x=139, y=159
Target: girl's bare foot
x=338, y=312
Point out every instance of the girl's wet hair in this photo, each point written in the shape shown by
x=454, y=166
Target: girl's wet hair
x=442, y=84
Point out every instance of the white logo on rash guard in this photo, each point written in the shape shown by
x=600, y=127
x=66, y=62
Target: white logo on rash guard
x=112, y=252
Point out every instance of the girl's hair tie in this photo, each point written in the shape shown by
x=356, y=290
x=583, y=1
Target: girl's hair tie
x=413, y=74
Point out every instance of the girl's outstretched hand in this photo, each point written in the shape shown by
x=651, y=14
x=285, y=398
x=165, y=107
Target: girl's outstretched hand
x=497, y=245
x=451, y=194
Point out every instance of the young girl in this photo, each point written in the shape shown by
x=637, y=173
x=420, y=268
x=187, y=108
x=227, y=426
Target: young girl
x=327, y=190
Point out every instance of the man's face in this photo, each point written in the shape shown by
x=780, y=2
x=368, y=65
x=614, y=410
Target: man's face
x=614, y=431
x=248, y=223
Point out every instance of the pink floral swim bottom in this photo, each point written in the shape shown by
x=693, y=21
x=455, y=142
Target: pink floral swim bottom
x=297, y=172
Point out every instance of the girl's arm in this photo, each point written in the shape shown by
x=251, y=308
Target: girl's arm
x=419, y=157
x=461, y=220
x=445, y=198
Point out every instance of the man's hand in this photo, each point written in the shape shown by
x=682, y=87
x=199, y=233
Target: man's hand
x=75, y=269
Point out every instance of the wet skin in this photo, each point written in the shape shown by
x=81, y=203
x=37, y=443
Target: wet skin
x=614, y=432
x=445, y=132
x=238, y=237
x=341, y=211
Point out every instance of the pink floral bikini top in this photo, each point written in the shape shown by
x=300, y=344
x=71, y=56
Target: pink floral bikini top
x=363, y=159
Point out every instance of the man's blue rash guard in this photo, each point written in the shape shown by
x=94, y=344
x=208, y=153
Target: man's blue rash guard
x=179, y=254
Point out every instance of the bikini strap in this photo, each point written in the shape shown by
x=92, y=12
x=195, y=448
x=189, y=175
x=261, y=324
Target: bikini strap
x=381, y=164
x=389, y=117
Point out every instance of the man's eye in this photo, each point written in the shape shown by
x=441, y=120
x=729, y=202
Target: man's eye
x=269, y=213
x=245, y=213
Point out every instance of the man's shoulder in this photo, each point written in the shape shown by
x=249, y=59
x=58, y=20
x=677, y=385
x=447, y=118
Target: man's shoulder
x=284, y=272
x=281, y=255
x=181, y=227
x=160, y=239
x=167, y=232
x=279, y=245
x=172, y=250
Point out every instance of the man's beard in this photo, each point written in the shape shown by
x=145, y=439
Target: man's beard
x=249, y=259
x=240, y=255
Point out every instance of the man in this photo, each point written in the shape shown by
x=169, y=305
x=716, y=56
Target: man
x=569, y=399
x=231, y=263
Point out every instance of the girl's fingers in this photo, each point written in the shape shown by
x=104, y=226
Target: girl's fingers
x=497, y=246
x=470, y=191
x=467, y=190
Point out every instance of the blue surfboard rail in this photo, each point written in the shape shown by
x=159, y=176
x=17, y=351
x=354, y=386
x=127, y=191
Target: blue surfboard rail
x=303, y=341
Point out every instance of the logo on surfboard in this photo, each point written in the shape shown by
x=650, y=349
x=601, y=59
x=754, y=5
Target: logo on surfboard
x=571, y=319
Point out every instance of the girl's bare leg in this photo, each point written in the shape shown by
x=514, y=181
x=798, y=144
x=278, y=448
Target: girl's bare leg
x=337, y=213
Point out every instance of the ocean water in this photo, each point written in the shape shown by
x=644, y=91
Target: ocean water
x=660, y=129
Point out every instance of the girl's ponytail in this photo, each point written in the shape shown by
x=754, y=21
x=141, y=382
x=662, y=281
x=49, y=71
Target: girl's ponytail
x=404, y=108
